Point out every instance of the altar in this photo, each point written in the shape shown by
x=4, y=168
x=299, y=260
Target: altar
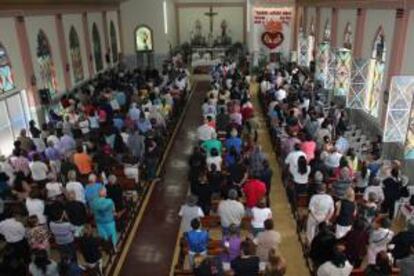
x=207, y=56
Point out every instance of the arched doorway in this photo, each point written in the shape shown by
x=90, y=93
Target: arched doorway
x=75, y=54
x=97, y=49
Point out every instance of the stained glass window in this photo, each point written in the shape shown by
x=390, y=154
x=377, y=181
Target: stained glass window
x=114, y=42
x=302, y=49
x=6, y=75
x=97, y=50
x=322, y=61
x=376, y=74
x=75, y=55
x=45, y=60
x=409, y=144
x=399, y=108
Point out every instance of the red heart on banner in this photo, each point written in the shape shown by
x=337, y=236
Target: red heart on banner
x=272, y=40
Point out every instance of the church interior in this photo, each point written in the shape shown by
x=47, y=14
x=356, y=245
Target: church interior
x=207, y=137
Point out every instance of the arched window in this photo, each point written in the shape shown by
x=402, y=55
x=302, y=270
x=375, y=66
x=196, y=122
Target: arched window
x=75, y=55
x=6, y=75
x=376, y=73
x=97, y=50
x=348, y=36
x=114, y=42
x=47, y=68
x=143, y=39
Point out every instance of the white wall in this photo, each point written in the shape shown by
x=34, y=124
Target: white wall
x=8, y=38
x=233, y=16
x=113, y=16
x=407, y=62
x=150, y=13
x=345, y=16
x=48, y=24
x=325, y=16
x=75, y=20
x=97, y=18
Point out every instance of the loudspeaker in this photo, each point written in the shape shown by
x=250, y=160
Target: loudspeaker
x=44, y=96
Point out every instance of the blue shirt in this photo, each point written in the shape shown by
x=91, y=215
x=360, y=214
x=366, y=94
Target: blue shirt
x=103, y=210
x=144, y=125
x=197, y=240
x=118, y=123
x=92, y=192
x=120, y=98
x=235, y=142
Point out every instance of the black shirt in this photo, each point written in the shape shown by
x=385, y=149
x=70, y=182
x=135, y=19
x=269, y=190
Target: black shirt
x=115, y=193
x=246, y=266
x=89, y=247
x=76, y=212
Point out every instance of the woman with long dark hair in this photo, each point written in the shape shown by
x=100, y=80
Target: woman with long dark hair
x=301, y=175
x=42, y=265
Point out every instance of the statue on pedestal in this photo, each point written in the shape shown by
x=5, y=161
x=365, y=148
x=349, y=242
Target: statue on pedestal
x=197, y=38
x=224, y=39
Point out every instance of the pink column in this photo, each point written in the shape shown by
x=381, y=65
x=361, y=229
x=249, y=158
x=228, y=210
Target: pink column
x=63, y=50
x=28, y=70
x=106, y=38
x=121, y=34
x=317, y=24
x=359, y=32
x=334, y=27
x=88, y=44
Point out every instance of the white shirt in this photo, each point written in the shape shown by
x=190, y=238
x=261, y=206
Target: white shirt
x=217, y=160
x=281, y=94
x=39, y=170
x=53, y=189
x=301, y=178
x=332, y=160
x=84, y=126
x=12, y=230
x=259, y=216
x=292, y=160
x=205, y=132
x=78, y=189
x=320, y=206
x=329, y=269
x=36, y=207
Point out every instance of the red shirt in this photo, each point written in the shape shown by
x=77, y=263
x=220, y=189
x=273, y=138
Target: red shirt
x=254, y=190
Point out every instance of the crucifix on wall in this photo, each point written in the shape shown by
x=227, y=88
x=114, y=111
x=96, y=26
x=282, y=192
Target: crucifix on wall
x=211, y=15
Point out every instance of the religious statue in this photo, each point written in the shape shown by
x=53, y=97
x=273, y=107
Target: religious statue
x=197, y=38
x=224, y=39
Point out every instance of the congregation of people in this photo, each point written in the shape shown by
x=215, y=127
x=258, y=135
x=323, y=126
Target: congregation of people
x=230, y=179
x=64, y=202
x=344, y=195
x=345, y=200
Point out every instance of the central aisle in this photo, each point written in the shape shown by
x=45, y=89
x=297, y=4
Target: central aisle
x=290, y=247
x=152, y=248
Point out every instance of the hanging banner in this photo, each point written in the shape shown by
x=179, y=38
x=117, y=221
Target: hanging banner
x=322, y=62
x=343, y=72
x=359, y=75
x=399, y=109
x=272, y=29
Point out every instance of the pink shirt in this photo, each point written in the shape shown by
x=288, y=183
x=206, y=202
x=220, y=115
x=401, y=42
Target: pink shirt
x=309, y=147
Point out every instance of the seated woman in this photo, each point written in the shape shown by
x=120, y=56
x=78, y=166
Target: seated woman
x=260, y=214
x=247, y=263
x=276, y=265
x=231, y=243
x=382, y=266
